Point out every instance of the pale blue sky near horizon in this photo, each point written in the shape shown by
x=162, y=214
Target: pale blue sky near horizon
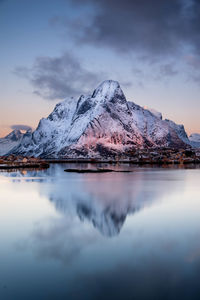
x=77, y=45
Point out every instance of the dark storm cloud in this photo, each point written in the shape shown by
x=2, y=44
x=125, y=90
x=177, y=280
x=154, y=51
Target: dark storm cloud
x=20, y=127
x=154, y=27
x=58, y=77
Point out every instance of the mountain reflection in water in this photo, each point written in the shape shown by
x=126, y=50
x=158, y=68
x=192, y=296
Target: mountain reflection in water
x=100, y=236
x=104, y=200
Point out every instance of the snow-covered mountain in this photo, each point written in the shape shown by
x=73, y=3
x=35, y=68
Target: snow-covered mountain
x=101, y=124
x=180, y=130
x=195, y=140
x=11, y=141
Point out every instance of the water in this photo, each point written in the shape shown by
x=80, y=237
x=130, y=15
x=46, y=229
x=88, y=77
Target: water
x=100, y=236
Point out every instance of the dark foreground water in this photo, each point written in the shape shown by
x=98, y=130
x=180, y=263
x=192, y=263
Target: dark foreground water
x=100, y=236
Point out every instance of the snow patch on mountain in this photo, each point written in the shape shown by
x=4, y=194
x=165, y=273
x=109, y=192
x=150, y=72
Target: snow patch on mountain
x=154, y=112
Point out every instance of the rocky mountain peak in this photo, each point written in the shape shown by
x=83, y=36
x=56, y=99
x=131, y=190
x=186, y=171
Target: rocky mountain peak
x=14, y=135
x=109, y=90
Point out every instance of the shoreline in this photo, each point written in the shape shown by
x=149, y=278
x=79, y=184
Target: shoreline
x=161, y=157
x=133, y=162
x=46, y=165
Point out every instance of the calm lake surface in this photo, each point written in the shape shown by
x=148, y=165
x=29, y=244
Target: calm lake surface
x=100, y=236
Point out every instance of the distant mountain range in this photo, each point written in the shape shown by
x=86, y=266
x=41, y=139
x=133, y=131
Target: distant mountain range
x=195, y=140
x=98, y=125
x=10, y=142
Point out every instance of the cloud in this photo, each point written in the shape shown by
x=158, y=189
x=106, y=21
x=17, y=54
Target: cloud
x=167, y=70
x=193, y=63
x=59, y=77
x=144, y=26
x=152, y=35
x=20, y=127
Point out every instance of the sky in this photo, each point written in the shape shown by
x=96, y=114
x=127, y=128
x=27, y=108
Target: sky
x=57, y=49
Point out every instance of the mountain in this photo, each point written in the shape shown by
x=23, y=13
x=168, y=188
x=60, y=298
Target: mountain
x=195, y=140
x=100, y=125
x=180, y=130
x=11, y=141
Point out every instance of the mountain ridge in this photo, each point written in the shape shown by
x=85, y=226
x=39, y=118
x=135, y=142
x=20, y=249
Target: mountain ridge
x=101, y=124
x=10, y=141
